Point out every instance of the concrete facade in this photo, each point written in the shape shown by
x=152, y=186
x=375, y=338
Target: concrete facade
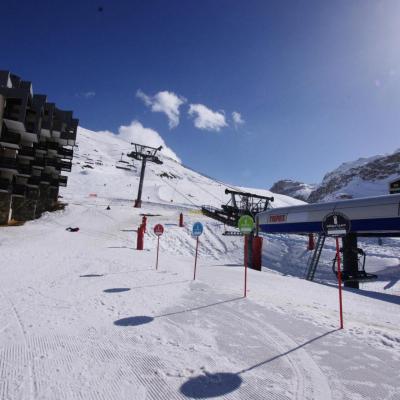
x=36, y=146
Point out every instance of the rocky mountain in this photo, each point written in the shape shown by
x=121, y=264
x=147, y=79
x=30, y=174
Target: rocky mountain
x=361, y=178
x=298, y=190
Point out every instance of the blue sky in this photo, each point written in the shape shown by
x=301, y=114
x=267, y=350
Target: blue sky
x=316, y=83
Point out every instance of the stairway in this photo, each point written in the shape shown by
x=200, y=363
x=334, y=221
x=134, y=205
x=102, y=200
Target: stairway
x=314, y=259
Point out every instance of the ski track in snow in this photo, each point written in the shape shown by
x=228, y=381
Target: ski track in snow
x=85, y=316
x=61, y=342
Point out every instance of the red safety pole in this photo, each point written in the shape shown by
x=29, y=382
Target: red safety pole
x=144, y=223
x=257, y=252
x=158, y=246
x=245, y=265
x=140, y=234
x=340, y=283
x=311, y=242
x=181, y=220
x=195, y=259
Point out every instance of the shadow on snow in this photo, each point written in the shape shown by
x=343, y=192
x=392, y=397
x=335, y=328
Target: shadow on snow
x=116, y=290
x=211, y=385
x=222, y=383
x=133, y=321
x=143, y=319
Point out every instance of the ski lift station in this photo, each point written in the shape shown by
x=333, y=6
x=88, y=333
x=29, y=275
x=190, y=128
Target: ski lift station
x=372, y=216
x=366, y=217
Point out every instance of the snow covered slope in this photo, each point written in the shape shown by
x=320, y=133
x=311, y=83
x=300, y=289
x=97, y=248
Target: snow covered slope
x=84, y=315
x=95, y=172
x=95, y=180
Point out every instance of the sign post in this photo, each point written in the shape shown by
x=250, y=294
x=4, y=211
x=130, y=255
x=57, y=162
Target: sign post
x=339, y=283
x=337, y=225
x=246, y=226
x=197, y=230
x=158, y=230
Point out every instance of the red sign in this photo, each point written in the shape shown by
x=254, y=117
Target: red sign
x=158, y=229
x=278, y=218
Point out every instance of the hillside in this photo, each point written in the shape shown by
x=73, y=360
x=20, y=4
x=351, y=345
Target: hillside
x=84, y=315
x=98, y=180
x=98, y=171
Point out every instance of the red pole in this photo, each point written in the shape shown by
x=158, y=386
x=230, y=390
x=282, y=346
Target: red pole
x=158, y=246
x=340, y=283
x=180, y=220
x=245, y=265
x=257, y=252
x=311, y=243
x=139, y=241
x=195, y=260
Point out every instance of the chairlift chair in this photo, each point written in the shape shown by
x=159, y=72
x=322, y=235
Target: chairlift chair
x=362, y=275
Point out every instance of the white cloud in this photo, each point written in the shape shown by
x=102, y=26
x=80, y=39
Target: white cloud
x=165, y=102
x=237, y=119
x=207, y=119
x=137, y=133
x=86, y=95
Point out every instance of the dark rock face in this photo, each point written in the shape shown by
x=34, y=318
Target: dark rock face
x=377, y=169
x=298, y=190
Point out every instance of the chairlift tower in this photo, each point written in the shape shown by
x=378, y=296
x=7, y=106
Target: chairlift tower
x=240, y=203
x=143, y=153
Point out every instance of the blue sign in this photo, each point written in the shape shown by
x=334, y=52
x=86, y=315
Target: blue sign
x=197, y=229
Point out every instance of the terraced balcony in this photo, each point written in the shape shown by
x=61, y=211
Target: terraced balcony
x=5, y=185
x=17, y=100
x=65, y=153
x=59, y=165
x=62, y=180
x=52, y=162
x=52, y=145
x=65, y=165
x=34, y=181
x=26, y=152
x=18, y=190
x=9, y=139
x=41, y=148
x=8, y=164
x=46, y=178
x=24, y=169
x=38, y=163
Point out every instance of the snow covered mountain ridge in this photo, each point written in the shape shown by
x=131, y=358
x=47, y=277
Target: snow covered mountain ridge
x=298, y=190
x=360, y=178
x=101, y=169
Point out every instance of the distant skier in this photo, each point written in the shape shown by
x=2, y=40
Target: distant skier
x=108, y=208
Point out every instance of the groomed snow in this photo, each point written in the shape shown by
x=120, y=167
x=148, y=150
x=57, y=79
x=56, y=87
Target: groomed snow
x=83, y=315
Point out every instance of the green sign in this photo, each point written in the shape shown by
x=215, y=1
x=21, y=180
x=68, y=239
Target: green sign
x=246, y=224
